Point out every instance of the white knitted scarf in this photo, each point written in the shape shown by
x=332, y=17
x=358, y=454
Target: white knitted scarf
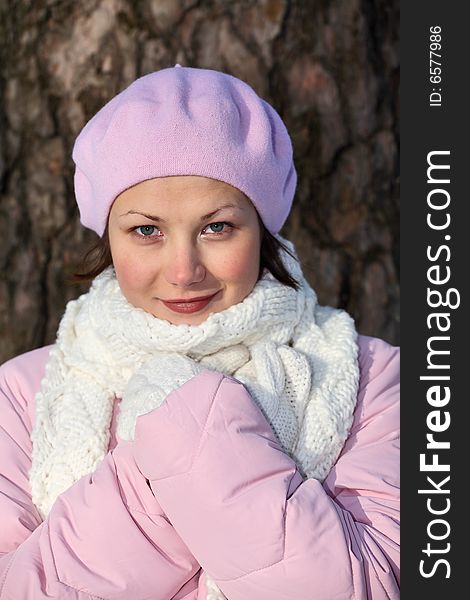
x=297, y=359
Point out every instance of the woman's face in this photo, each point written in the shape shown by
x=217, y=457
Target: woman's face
x=181, y=238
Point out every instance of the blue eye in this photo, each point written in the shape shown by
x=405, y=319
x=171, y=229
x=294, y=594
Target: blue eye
x=217, y=227
x=145, y=230
x=151, y=232
x=221, y=227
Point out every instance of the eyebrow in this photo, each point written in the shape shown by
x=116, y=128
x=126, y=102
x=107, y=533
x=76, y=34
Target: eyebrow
x=160, y=220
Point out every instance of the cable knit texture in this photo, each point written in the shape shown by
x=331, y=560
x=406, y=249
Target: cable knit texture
x=297, y=359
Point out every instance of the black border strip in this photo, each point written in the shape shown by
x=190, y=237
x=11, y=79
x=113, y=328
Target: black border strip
x=427, y=129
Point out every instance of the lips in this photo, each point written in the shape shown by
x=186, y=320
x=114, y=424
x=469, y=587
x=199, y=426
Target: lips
x=186, y=300
x=188, y=306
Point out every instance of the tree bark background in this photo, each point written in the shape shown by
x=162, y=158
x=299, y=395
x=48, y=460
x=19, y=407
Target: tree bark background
x=329, y=67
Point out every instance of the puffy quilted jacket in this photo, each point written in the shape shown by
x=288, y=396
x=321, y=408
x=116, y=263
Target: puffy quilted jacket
x=213, y=492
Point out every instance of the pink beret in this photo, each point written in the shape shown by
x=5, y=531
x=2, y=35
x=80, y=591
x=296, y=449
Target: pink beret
x=185, y=121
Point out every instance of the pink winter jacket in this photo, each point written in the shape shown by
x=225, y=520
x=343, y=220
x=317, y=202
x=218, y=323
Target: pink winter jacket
x=214, y=493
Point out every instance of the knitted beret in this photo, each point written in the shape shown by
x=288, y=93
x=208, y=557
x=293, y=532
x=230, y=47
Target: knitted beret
x=185, y=121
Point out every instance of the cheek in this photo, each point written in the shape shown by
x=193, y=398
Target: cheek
x=241, y=267
x=131, y=274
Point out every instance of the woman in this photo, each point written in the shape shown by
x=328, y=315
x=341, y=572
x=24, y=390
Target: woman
x=201, y=428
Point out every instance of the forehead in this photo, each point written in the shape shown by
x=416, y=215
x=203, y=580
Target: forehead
x=178, y=192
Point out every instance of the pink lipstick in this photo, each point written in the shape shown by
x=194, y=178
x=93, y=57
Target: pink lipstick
x=190, y=305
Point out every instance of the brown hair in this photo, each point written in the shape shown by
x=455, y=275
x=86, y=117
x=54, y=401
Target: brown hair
x=98, y=258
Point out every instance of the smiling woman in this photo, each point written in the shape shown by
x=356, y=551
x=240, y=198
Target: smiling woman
x=163, y=263
x=238, y=210
x=202, y=428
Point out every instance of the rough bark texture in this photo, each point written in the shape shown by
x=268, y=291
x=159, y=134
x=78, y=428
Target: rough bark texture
x=330, y=68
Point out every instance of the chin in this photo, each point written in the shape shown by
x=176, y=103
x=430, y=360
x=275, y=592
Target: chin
x=181, y=319
x=185, y=319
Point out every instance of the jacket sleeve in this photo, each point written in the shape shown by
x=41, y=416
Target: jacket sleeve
x=243, y=509
x=105, y=537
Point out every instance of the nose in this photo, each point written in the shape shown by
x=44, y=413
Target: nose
x=183, y=266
